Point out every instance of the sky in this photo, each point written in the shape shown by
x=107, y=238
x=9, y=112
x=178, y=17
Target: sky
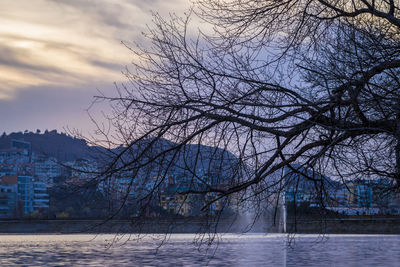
x=55, y=55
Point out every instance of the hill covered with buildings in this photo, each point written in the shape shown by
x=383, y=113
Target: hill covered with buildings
x=54, y=175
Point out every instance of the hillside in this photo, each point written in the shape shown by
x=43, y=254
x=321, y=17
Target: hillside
x=67, y=148
x=51, y=143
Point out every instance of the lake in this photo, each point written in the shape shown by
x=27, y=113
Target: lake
x=193, y=250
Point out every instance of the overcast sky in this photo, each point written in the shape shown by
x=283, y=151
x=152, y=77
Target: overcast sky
x=56, y=54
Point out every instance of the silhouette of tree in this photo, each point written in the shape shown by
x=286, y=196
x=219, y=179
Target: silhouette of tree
x=276, y=83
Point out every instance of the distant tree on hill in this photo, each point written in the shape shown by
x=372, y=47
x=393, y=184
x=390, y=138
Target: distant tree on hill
x=59, y=145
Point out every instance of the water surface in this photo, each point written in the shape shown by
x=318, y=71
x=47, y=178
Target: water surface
x=193, y=250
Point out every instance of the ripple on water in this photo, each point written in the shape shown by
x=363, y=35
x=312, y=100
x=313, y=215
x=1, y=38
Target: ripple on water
x=184, y=250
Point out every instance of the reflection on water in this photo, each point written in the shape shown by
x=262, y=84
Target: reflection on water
x=181, y=250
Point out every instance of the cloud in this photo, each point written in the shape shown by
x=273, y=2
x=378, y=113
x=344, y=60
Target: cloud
x=69, y=43
x=55, y=55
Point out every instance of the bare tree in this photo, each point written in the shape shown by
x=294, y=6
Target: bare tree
x=276, y=83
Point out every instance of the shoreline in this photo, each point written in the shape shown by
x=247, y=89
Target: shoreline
x=375, y=226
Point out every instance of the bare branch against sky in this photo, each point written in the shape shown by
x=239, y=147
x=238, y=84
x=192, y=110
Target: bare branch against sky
x=304, y=85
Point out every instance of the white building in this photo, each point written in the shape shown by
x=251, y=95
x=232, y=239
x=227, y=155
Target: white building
x=47, y=169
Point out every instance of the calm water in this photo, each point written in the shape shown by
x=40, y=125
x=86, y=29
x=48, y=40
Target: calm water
x=184, y=250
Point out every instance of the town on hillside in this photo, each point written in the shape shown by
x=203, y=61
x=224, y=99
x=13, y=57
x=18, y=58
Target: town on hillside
x=35, y=185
